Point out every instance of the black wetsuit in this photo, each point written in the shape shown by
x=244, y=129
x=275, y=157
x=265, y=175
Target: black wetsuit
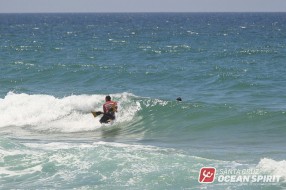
x=109, y=109
x=107, y=117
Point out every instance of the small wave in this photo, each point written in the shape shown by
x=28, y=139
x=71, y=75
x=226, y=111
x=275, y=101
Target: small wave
x=139, y=118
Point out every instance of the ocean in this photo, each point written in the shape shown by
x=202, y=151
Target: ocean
x=228, y=68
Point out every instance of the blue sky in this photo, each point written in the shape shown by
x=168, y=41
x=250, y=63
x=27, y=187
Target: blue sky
x=24, y=6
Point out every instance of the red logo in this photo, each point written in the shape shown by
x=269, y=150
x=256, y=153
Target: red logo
x=207, y=175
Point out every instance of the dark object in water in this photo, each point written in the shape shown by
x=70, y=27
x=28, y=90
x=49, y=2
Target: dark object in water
x=179, y=99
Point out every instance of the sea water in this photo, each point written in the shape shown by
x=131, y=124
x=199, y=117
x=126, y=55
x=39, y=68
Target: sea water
x=228, y=68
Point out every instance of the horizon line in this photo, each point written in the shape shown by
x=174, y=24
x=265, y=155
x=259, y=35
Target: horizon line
x=126, y=12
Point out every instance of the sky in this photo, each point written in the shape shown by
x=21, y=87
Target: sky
x=40, y=6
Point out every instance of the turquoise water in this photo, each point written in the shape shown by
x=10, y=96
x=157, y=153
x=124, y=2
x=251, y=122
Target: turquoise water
x=56, y=68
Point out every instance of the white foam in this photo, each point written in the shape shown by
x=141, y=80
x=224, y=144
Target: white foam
x=10, y=170
x=53, y=146
x=7, y=172
x=67, y=114
x=273, y=167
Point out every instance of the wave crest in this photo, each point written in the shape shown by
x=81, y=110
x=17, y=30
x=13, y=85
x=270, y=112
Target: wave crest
x=67, y=114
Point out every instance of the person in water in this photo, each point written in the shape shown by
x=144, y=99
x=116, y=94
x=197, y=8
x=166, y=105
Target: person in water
x=179, y=99
x=109, y=109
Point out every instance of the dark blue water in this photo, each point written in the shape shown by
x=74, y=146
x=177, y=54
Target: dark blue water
x=55, y=68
